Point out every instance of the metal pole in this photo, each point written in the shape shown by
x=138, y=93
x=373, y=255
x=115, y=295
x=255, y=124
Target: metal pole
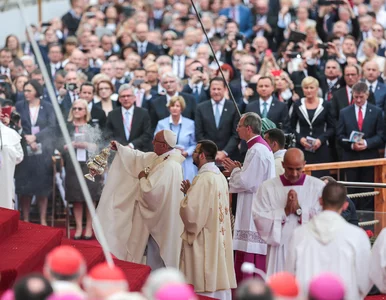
x=363, y=184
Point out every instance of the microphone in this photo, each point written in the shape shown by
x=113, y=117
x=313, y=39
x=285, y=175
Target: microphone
x=250, y=268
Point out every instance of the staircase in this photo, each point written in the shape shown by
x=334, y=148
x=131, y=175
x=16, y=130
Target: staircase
x=24, y=246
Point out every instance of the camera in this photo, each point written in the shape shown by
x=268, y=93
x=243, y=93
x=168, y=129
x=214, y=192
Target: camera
x=90, y=15
x=332, y=2
x=239, y=37
x=200, y=69
x=323, y=46
x=138, y=82
x=290, y=140
x=294, y=55
x=70, y=86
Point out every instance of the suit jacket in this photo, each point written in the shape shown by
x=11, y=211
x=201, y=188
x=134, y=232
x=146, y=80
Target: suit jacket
x=116, y=104
x=98, y=116
x=225, y=137
x=237, y=90
x=159, y=111
x=71, y=23
x=153, y=48
x=340, y=100
x=297, y=78
x=204, y=94
x=245, y=19
x=140, y=133
x=373, y=129
x=277, y=113
x=380, y=95
x=270, y=36
x=312, y=71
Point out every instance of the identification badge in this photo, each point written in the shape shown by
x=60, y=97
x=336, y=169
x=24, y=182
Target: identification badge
x=81, y=155
x=35, y=130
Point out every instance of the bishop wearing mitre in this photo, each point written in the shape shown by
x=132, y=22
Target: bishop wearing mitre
x=207, y=252
x=139, y=206
x=11, y=153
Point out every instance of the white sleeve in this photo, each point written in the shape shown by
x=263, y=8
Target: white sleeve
x=363, y=256
x=378, y=262
x=268, y=218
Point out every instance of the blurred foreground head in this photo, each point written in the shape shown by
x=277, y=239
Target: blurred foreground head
x=32, y=287
x=254, y=289
x=326, y=286
x=161, y=278
x=103, y=281
x=284, y=285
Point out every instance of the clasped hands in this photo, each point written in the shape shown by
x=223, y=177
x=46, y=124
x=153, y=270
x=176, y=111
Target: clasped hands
x=315, y=146
x=359, y=146
x=292, y=203
x=231, y=164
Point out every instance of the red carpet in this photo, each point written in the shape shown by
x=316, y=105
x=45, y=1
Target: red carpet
x=377, y=297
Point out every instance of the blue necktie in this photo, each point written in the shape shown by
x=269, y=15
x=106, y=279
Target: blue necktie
x=127, y=124
x=195, y=93
x=217, y=115
x=265, y=110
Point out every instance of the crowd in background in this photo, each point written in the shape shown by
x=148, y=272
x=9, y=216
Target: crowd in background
x=124, y=70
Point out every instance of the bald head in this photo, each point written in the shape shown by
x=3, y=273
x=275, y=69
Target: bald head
x=293, y=164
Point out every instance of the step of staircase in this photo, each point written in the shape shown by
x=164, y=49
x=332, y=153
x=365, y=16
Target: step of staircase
x=9, y=221
x=24, y=250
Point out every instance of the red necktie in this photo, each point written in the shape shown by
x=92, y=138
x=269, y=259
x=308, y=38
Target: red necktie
x=360, y=119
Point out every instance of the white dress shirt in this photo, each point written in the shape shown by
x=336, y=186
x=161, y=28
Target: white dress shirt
x=220, y=106
x=372, y=84
x=364, y=106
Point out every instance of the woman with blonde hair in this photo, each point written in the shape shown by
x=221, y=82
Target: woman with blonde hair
x=313, y=124
x=13, y=44
x=84, y=139
x=284, y=88
x=370, y=50
x=185, y=131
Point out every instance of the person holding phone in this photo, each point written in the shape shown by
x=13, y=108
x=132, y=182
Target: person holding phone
x=34, y=177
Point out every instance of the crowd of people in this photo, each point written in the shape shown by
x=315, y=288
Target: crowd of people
x=141, y=74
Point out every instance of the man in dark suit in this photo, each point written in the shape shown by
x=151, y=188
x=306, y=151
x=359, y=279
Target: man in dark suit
x=143, y=93
x=143, y=45
x=179, y=57
x=241, y=15
x=72, y=18
x=377, y=89
x=268, y=106
x=198, y=82
x=98, y=116
x=72, y=87
x=129, y=125
x=120, y=78
x=158, y=109
x=217, y=120
x=240, y=85
x=331, y=80
x=366, y=118
x=55, y=56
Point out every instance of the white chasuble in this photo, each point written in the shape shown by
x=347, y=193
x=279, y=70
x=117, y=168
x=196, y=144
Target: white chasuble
x=116, y=206
x=11, y=154
x=207, y=254
x=274, y=227
x=157, y=210
x=259, y=166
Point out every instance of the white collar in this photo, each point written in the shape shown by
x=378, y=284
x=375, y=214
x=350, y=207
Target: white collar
x=279, y=153
x=209, y=167
x=268, y=101
x=252, y=138
x=363, y=106
x=170, y=97
x=171, y=120
x=130, y=110
x=222, y=102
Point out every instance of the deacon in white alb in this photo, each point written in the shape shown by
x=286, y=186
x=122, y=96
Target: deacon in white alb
x=11, y=154
x=328, y=243
x=207, y=238
x=378, y=262
x=259, y=165
x=283, y=204
x=144, y=184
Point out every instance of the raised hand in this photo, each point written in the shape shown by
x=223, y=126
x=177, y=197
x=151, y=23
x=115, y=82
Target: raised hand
x=185, y=185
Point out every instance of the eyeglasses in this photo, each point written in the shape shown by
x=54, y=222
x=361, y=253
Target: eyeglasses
x=104, y=89
x=77, y=108
x=376, y=29
x=126, y=96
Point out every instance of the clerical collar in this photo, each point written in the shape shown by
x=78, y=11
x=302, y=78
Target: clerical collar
x=286, y=182
x=257, y=140
x=210, y=166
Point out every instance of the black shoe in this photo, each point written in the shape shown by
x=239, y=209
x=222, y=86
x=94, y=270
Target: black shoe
x=77, y=238
x=87, y=238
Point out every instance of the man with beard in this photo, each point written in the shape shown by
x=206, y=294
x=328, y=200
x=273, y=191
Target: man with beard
x=207, y=237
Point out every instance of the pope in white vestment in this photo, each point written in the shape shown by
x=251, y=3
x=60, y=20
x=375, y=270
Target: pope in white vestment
x=151, y=203
x=207, y=252
x=258, y=166
x=11, y=154
x=273, y=223
x=378, y=262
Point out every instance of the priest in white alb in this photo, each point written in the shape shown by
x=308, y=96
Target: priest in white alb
x=259, y=165
x=328, y=243
x=283, y=204
x=207, y=252
x=378, y=262
x=143, y=188
x=11, y=154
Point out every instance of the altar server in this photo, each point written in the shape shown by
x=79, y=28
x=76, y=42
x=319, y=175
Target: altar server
x=283, y=204
x=378, y=262
x=259, y=165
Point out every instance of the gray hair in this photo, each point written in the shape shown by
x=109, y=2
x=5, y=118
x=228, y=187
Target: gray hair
x=28, y=57
x=159, y=279
x=170, y=75
x=125, y=87
x=360, y=87
x=253, y=120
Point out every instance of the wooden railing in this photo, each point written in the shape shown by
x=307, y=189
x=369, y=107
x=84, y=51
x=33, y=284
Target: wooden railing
x=379, y=177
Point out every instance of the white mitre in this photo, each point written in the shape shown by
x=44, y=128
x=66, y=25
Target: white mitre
x=170, y=138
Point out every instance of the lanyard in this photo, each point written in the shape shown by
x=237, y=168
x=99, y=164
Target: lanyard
x=179, y=130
